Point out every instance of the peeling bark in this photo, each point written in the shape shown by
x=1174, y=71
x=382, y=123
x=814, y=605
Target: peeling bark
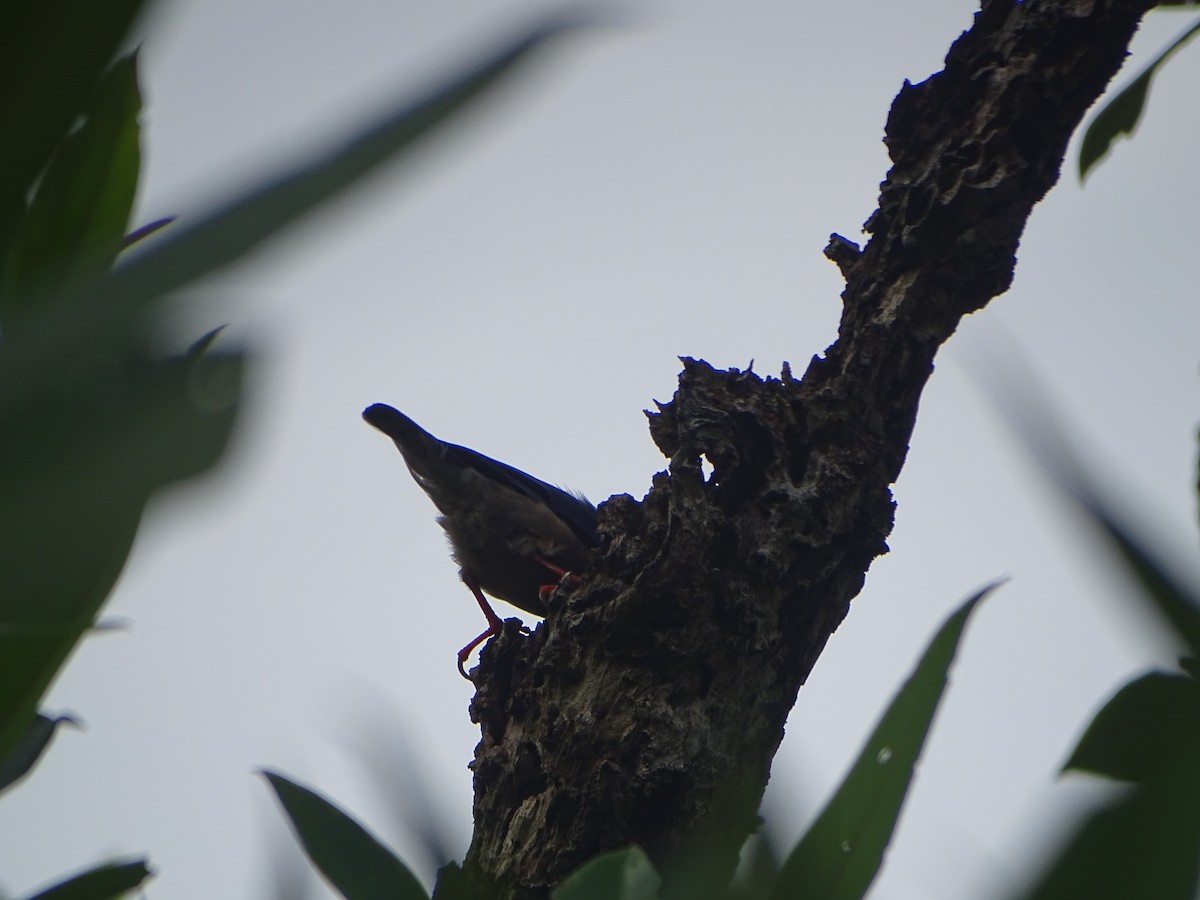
x=648, y=705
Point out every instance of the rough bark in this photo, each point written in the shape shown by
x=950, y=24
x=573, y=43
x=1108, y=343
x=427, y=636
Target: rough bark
x=646, y=708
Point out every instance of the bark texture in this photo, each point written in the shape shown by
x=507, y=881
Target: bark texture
x=647, y=706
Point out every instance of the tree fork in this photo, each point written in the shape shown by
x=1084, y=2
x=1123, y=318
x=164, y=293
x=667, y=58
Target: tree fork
x=648, y=705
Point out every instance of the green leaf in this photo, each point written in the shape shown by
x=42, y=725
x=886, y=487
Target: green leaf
x=1148, y=731
x=92, y=449
x=52, y=55
x=1141, y=845
x=88, y=321
x=29, y=749
x=620, y=875
x=91, y=423
x=353, y=860
x=106, y=881
x=839, y=856
x=1121, y=114
x=76, y=223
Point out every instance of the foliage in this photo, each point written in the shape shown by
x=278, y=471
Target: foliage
x=1120, y=114
x=353, y=860
x=1145, y=842
x=105, y=880
x=98, y=412
x=29, y=748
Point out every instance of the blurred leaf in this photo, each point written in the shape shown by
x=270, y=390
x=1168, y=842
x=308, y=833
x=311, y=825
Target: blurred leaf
x=352, y=860
x=388, y=755
x=110, y=624
x=76, y=223
x=620, y=875
x=1120, y=115
x=1144, y=844
x=91, y=423
x=77, y=465
x=1172, y=597
x=1022, y=403
x=29, y=748
x=1149, y=730
x=88, y=322
x=106, y=881
x=201, y=345
x=51, y=57
x=231, y=232
x=140, y=234
x=839, y=856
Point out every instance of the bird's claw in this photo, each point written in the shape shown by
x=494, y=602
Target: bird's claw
x=465, y=653
x=568, y=580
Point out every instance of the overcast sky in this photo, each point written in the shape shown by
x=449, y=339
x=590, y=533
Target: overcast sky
x=523, y=286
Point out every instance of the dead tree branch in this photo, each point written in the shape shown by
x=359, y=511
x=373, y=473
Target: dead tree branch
x=647, y=707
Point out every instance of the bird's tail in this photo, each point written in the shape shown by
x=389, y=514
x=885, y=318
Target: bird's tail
x=420, y=449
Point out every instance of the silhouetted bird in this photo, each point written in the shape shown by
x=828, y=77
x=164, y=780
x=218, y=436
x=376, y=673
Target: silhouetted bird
x=510, y=532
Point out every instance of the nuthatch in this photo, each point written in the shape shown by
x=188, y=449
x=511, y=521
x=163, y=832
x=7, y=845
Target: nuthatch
x=510, y=532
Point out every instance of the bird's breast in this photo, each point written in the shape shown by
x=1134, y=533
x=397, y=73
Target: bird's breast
x=500, y=538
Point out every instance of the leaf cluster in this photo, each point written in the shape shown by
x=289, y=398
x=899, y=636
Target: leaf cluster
x=98, y=411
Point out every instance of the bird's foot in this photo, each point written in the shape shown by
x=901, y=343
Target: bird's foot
x=466, y=651
x=569, y=579
x=496, y=628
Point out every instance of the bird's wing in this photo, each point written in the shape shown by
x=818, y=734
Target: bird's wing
x=576, y=511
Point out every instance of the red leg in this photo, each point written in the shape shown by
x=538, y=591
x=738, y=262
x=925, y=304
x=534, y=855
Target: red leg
x=466, y=651
x=546, y=590
x=494, y=624
x=557, y=570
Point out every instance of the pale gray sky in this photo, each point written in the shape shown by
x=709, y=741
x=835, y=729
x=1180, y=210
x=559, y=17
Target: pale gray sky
x=657, y=189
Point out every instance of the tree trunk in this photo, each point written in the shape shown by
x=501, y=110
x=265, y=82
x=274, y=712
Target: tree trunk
x=648, y=705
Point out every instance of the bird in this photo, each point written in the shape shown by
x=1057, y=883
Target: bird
x=513, y=536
